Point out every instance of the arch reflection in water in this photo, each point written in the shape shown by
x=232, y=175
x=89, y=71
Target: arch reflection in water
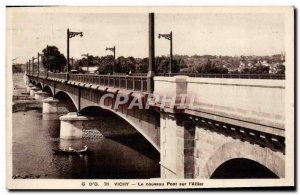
x=51, y=123
x=109, y=159
x=123, y=157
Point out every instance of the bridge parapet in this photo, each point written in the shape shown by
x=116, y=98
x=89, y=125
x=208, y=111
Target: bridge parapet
x=58, y=76
x=250, y=103
x=135, y=83
x=43, y=75
x=228, y=76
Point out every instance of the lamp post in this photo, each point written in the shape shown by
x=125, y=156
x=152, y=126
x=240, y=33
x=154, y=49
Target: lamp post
x=69, y=36
x=72, y=60
x=38, y=58
x=29, y=61
x=47, y=62
x=87, y=60
x=113, y=49
x=33, y=58
x=170, y=38
x=151, y=66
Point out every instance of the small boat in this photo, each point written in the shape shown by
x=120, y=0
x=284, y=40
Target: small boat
x=70, y=152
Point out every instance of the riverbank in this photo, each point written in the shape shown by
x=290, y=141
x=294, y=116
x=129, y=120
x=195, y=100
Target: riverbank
x=21, y=98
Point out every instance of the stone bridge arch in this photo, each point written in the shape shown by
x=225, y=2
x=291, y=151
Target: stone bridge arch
x=66, y=100
x=274, y=161
x=48, y=90
x=242, y=168
x=148, y=131
x=39, y=85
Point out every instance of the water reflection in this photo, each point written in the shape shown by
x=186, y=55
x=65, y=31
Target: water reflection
x=51, y=123
x=36, y=134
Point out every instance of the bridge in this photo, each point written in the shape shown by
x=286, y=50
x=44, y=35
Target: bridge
x=233, y=119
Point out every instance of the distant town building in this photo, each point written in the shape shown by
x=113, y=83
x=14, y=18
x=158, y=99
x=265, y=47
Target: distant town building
x=92, y=69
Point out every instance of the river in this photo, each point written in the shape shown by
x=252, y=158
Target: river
x=36, y=134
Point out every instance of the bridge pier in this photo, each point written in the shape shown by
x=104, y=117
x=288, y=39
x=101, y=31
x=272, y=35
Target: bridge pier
x=177, y=162
x=29, y=86
x=72, y=125
x=40, y=95
x=26, y=79
x=33, y=90
x=50, y=105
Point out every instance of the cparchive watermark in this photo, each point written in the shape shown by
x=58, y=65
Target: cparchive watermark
x=178, y=101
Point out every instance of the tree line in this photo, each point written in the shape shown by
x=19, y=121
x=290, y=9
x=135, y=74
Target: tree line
x=54, y=61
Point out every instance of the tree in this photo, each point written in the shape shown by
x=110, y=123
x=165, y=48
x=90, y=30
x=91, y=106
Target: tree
x=182, y=64
x=130, y=64
x=163, y=65
x=175, y=66
x=280, y=69
x=260, y=69
x=125, y=65
x=142, y=65
x=90, y=61
x=53, y=60
x=106, y=64
x=119, y=65
x=209, y=67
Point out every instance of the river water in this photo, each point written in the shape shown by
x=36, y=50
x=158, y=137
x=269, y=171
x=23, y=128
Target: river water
x=36, y=134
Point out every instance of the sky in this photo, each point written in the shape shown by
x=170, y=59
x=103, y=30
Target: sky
x=232, y=34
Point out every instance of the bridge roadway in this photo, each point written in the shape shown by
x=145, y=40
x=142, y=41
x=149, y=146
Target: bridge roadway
x=232, y=118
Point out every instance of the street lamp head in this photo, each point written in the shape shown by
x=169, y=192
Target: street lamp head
x=73, y=34
x=111, y=48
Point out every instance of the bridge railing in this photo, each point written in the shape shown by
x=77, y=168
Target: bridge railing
x=131, y=74
x=62, y=76
x=135, y=83
x=43, y=74
x=30, y=73
x=232, y=76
